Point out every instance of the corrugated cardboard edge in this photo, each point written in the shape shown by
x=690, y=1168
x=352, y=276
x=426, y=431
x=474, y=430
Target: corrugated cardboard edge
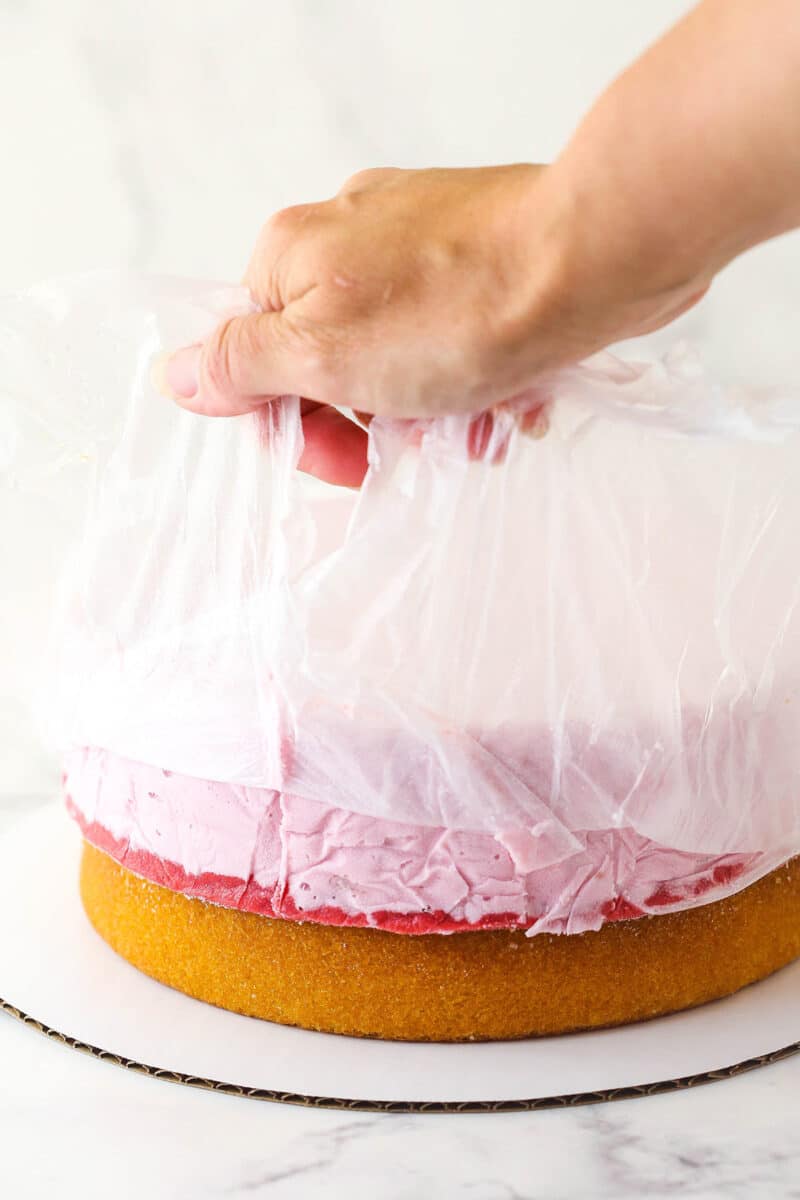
x=571, y=1100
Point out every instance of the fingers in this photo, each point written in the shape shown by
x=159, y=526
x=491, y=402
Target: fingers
x=483, y=442
x=479, y=438
x=536, y=422
x=278, y=272
x=335, y=448
x=247, y=362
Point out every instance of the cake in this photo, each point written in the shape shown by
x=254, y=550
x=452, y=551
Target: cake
x=304, y=914
x=503, y=743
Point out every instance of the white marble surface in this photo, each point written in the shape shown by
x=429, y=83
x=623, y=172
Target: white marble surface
x=72, y=1126
x=159, y=136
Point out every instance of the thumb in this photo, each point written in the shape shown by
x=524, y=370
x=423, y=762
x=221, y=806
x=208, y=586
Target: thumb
x=246, y=362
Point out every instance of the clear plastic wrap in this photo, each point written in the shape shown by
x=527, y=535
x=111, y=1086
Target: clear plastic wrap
x=592, y=630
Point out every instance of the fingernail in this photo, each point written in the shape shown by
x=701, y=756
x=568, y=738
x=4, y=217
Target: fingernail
x=177, y=375
x=536, y=424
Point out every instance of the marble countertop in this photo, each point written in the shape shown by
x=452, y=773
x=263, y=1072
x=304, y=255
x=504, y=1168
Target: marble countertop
x=72, y=1126
x=172, y=132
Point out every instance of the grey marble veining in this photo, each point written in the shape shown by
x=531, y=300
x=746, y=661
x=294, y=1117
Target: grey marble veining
x=71, y=1125
x=159, y=137
x=100, y=1124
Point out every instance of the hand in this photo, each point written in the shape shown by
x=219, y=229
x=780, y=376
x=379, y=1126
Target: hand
x=410, y=294
x=413, y=293
x=400, y=296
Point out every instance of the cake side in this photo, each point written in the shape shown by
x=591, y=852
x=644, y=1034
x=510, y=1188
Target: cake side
x=469, y=986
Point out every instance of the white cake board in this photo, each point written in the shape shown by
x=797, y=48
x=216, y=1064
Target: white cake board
x=61, y=978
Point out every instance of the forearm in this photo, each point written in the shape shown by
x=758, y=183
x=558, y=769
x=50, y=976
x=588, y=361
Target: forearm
x=413, y=293
x=693, y=155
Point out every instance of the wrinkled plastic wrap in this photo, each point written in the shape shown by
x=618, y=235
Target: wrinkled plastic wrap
x=594, y=629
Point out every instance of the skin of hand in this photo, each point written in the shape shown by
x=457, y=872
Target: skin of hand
x=406, y=294
x=413, y=293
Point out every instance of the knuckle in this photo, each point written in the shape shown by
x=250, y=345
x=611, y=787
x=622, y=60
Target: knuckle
x=226, y=352
x=283, y=239
x=323, y=353
x=287, y=220
x=314, y=342
x=369, y=177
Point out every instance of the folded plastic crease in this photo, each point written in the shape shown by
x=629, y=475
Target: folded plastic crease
x=589, y=632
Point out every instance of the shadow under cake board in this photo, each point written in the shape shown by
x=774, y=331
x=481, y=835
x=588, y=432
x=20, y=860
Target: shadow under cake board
x=60, y=979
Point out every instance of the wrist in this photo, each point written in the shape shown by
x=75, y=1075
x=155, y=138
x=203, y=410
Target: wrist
x=532, y=323
x=609, y=271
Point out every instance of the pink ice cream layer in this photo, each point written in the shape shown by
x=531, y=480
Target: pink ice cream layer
x=285, y=856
